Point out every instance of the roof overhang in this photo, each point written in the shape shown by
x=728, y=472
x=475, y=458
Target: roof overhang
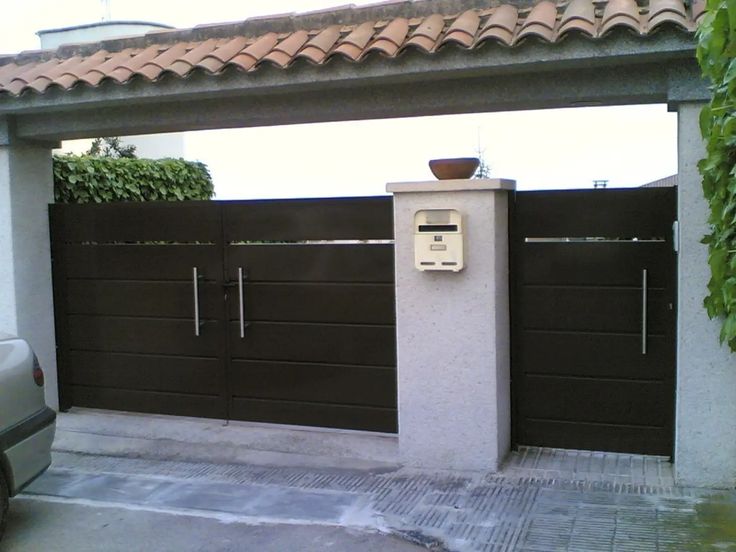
x=618, y=68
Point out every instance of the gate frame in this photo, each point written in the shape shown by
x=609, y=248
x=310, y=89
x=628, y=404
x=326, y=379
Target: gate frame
x=628, y=70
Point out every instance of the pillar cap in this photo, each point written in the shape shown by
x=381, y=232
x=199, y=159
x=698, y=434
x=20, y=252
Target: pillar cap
x=465, y=185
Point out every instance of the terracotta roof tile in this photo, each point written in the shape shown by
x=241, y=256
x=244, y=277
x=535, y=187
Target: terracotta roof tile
x=540, y=22
x=390, y=39
x=285, y=51
x=248, y=58
x=217, y=58
x=667, y=11
x=353, y=45
x=320, y=46
x=214, y=48
x=501, y=25
x=126, y=70
x=621, y=13
x=156, y=66
x=462, y=30
x=427, y=34
x=183, y=65
x=578, y=16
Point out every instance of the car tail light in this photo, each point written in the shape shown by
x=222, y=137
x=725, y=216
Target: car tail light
x=37, y=372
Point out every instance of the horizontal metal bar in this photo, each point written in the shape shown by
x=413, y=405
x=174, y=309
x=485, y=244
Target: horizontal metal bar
x=594, y=240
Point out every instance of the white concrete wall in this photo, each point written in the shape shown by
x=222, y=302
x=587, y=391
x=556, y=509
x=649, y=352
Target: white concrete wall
x=453, y=332
x=705, y=447
x=26, y=297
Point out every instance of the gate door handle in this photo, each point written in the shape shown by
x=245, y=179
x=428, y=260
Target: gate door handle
x=195, y=284
x=644, y=290
x=241, y=302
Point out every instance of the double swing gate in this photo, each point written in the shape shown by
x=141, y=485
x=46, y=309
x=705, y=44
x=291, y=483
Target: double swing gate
x=266, y=311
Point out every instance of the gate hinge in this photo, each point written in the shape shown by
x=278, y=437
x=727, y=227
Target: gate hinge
x=676, y=236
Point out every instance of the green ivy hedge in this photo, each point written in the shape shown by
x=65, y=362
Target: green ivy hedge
x=91, y=179
x=716, y=54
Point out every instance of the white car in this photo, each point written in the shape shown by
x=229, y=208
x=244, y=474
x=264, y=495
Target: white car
x=27, y=425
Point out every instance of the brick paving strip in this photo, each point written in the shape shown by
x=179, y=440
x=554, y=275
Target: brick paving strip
x=544, y=500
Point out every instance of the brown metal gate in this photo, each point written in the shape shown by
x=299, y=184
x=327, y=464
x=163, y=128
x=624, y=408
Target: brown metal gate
x=152, y=315
x=593, y=319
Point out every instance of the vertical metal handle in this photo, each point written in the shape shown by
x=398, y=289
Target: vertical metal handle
x=195, y=285
x=241, y=302
x=644, y=290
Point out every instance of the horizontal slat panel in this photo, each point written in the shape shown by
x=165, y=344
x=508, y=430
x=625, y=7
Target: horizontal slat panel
x=184, y=221
x=133, y=298
x=309, y=219
x=601, y=264
x=149, y=401
x=312, y=263
x=593, y=310
x=593, y=355
x=317, y=383
x=639, y=440
x=320, y=415
x=336, y=303
x=146, y=373
x=143, y=262
x=641, y=212
x=143, y=335
x=603, y=401
x=328, y=343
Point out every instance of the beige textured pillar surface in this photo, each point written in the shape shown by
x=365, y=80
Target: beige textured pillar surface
x=453, y=331
x=26, y=296
x=705, y=436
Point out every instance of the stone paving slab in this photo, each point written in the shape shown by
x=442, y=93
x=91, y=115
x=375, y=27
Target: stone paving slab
x=514, y=510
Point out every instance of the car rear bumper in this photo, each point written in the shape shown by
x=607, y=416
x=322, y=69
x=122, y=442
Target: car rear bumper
x=26, y=448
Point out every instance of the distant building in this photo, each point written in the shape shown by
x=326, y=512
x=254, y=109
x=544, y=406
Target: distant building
x=666, y=182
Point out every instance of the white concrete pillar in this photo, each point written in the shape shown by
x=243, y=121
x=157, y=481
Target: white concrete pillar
x=705, y=440
x=26, y=297
x=453, y=331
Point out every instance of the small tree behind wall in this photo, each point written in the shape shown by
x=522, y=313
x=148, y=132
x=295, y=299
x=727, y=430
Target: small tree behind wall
x=110, y=171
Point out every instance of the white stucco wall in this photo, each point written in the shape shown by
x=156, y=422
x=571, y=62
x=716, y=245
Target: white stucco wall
x=26, y=298
x=705, y=441
x=453, y=332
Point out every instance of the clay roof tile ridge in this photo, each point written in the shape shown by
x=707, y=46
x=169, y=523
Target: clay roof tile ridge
x=353, y=44
x=427, y=33
x=501, y=25
x=320, y=46
x=463, y=30
x=390, y=39
x=540, y=22
x=285, y=51
x=249, y=58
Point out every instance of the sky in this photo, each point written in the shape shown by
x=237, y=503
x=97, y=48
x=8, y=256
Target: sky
x=563, y=148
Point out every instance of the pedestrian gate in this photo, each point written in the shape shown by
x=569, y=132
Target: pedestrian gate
x=268, y=311
x=593, y=319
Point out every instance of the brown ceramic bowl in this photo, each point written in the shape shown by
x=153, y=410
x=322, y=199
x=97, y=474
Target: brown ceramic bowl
x=457, y=168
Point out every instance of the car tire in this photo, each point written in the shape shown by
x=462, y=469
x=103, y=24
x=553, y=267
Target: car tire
x=4, y=503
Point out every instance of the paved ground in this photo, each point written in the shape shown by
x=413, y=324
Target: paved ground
x=626, y=503
x=36, y=525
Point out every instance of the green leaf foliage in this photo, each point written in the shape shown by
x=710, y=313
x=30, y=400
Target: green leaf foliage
x=716, y=54
x=91, y=179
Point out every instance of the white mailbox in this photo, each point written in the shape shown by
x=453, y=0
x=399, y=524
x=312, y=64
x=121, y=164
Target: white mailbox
x=438, y=240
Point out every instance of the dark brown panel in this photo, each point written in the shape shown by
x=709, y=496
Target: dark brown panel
x=312, y=263
x=599, y=264
x=186, y=221
x=135, y=298
x=309, y=219
x=613, y=402
x=143, y=262
x=336, y=384
x=146, y=373
x=328, y=343
x=335, y=303
x=142, y=335
x=321, y=415
x=593, y=355
x=605, y=310
x=642, y=212
x=149, y=402
x=641, y=440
